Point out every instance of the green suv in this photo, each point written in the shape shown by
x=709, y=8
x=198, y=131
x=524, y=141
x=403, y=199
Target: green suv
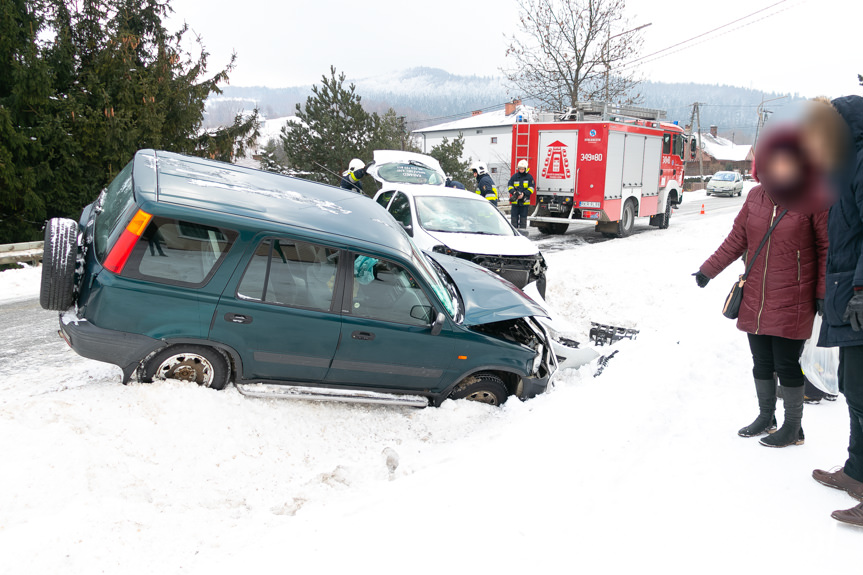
x=191, y=269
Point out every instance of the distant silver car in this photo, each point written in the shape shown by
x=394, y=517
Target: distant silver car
x=727, y=183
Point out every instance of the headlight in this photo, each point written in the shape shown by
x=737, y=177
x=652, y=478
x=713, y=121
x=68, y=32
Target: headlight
x=441, y=249
x=537, y=360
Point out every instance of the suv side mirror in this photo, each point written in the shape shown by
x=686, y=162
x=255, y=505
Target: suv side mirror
x=422, y=313
x=437, y=326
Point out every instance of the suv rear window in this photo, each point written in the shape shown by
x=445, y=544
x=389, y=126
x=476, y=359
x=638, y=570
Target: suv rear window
x=114, y=201
x=181, y=252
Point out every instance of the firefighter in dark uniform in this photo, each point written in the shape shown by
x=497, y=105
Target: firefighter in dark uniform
x=351, y=178
x=521, y=187
x=450, y=183
x=484, y=184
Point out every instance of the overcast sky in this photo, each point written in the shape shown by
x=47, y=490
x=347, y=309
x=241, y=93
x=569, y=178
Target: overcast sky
x=813, y=47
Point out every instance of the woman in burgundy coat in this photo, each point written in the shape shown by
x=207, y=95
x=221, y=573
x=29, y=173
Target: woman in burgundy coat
x=785, y=288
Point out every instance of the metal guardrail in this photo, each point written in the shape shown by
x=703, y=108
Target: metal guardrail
x=22, y=252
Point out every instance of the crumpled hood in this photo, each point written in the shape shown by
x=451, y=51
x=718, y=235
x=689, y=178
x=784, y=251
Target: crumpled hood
x=487, y=245
x=488, y=298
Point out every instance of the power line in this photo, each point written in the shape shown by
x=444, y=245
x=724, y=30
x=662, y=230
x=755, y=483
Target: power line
x=708, y=32
x=653, y=57
x=659, y=54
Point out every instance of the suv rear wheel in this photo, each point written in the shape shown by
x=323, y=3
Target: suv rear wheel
x=193, y=363
x=483, y=387
x=59, y=256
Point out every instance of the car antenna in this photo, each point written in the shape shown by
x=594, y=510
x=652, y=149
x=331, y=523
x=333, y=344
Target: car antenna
x=332, y=173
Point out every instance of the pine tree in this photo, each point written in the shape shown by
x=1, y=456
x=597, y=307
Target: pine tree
x=448, y=153
x=332, y=129
x=74, y=110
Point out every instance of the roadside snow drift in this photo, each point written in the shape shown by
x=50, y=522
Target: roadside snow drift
x=637, y=471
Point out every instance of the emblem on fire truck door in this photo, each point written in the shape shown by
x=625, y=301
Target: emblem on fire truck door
x=556, y=166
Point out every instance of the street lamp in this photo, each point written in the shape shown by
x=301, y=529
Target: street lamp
x=605, y=49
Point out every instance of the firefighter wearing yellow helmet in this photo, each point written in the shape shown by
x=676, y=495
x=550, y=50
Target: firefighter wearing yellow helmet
x=521, y=188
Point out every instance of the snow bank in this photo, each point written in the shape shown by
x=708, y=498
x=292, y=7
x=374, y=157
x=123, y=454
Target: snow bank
x=639, y=470
x=20, y=284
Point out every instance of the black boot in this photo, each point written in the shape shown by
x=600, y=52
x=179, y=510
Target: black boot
x=790, y=433
x=766, y=420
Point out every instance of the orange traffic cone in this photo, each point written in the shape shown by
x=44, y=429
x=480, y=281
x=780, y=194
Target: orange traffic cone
x=702, y=209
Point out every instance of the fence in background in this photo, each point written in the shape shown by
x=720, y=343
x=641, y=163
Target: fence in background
x=27, y=252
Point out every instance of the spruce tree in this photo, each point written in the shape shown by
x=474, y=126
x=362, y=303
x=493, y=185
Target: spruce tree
x=448, y=153
x=75, y=109
x=332, y=129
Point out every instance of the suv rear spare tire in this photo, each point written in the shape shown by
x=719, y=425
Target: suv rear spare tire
x=59, y=256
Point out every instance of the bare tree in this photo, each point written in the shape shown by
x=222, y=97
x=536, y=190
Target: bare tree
x=565, y=49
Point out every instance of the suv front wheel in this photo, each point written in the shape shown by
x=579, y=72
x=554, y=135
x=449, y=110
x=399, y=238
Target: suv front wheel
x=483, y=387
x=193, y=363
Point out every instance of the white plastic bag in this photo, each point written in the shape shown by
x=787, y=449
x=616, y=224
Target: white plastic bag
x=820, y=364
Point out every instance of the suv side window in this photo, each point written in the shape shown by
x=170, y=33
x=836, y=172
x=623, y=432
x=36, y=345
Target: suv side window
x=384, y=198
x=181, y=252
x=401, y=210
x=292, y=273
x=386, y=291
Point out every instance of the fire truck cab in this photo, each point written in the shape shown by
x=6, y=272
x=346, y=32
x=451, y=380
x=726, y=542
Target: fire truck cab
x=601, y=165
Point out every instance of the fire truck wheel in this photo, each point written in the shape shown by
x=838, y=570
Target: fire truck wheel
x=627, y=220
x=553, y=229
x=666, y=218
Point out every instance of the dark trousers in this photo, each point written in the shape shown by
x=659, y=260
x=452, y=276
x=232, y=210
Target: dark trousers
x=851, y=384
x=772, y=354
x=518, y=216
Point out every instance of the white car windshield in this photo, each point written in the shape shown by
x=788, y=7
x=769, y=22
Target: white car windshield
x=409, y=173
x=461, y=216
x=723, y=177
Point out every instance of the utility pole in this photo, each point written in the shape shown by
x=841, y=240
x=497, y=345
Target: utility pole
x=607, y=47
x=404, y=131
x=763, y=115
x=695, y=120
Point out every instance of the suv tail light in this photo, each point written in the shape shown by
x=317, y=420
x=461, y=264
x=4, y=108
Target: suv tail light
x=121, y=251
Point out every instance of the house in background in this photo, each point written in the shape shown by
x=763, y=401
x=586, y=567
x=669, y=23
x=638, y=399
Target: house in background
x=720, y=154
x=487, y=138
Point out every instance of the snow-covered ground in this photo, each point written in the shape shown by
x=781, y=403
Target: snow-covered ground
x=637, y=471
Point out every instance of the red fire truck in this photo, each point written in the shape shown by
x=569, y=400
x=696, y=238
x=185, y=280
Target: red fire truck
x=601, y=165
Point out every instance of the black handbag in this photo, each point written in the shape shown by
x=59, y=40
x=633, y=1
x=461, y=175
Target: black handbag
x=732, y=303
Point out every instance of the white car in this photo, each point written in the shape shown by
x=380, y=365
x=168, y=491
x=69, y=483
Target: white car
x=730, y=183
x=451, y=221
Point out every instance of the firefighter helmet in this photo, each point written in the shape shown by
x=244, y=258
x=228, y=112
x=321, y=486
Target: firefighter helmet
x=480, y=168
x=522, y=165
x=356, y=164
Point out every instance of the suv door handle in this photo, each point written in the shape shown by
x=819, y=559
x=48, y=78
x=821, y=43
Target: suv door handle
x=238, y=318
x=363, y=335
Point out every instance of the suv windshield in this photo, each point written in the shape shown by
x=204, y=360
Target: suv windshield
x=410, y=173
x=461, y=215
x=433, y=279
x=723, y=177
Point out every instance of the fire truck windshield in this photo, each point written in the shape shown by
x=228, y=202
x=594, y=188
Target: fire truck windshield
x=461, y=216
